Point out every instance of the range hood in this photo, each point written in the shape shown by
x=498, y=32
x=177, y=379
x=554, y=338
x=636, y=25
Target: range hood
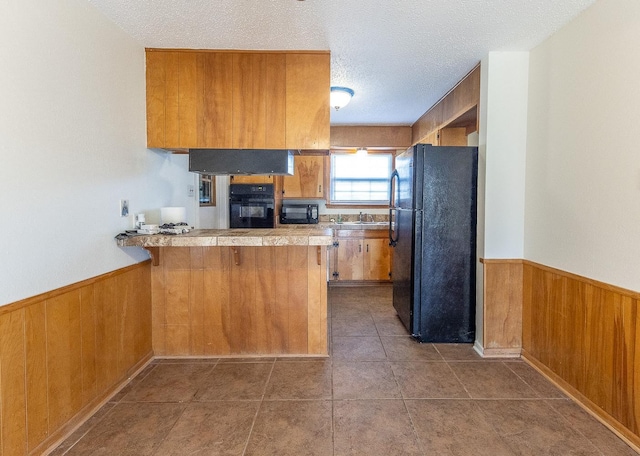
x=241, y=161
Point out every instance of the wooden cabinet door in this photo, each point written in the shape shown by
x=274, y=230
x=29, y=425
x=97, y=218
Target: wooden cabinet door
x=254, y=179
x=215, y=120
x=350, y=254
x=258, y=101
x=156, y=98
x=307, y=100
x=377, y=259
x=174, y=96
x=307, y=180
x=237, y=100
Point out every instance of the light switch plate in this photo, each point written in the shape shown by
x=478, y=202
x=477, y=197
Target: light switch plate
x=191, y=191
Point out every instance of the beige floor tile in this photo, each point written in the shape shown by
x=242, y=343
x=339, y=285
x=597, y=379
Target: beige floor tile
x=94, y=420
x=457, y=352
x=455, y=428
x=357, y=348
x=211, y=428
x=389, y=325
x=134, y=429
x=294, y=428
x=530, y=428
x=364, y=379
x=543, y=387
x=491, y=380
x=373, y=427
x=348, y=326
x=404, y=348
x=242, y=381
x=597, y=433
x=170, y=383
x=133, y=382
x=427, y=380
x=300, y=380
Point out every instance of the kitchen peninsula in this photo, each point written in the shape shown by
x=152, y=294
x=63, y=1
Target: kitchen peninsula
x=238, y=292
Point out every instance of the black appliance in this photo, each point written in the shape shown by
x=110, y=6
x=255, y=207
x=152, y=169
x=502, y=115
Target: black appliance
x=251, y=206
x=433, y=232
x=241, y=161
x=299, y=213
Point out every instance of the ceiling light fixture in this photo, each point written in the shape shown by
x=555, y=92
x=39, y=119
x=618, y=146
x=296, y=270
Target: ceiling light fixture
x=362, y=152
x=340, y=97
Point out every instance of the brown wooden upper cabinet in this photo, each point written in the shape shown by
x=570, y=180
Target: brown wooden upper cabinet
x=307, y=180
x=237, y=100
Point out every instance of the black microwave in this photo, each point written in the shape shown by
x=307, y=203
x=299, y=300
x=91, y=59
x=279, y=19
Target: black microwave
x=299, y=213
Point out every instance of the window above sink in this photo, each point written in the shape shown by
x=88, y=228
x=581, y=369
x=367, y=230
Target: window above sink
x=360, y=179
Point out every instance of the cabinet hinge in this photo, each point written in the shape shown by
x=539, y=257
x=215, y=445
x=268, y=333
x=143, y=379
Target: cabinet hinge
x=336, y=243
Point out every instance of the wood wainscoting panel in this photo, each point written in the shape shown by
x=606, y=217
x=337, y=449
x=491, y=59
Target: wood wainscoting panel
x=585, y=335
x=317, y=299
x=36, y=381
x=64, y=357
x=63, y=353
x=13, y=396
x=222, y=301
x=502, y=331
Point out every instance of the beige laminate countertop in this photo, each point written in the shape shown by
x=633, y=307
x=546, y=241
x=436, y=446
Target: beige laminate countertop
x=235, y=237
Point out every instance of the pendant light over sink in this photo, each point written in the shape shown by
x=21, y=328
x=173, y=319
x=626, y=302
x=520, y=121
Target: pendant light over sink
x=340, y=96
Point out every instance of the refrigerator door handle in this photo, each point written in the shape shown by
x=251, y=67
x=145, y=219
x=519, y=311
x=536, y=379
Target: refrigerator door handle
x=393, y=240
x=392, y=189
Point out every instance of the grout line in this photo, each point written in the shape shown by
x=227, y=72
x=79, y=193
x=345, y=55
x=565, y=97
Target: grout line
x=255, y=417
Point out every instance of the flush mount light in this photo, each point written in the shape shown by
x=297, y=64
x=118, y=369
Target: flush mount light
x=340, y=97
x=361, y=152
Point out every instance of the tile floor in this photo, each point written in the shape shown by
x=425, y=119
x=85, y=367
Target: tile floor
x=379, y=393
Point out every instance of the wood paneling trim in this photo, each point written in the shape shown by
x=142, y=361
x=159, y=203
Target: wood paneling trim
x=584, y=335
x=596, y=283
x=66, y=289
x=464, y=96
x=502, y=324
x=371, y=136
x=63, y=352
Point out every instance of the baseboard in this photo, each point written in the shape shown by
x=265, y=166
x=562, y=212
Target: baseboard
x=587, y=405
x=64, y=432
x=496, y=352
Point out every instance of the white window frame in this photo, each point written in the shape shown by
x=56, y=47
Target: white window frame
x=332, y=179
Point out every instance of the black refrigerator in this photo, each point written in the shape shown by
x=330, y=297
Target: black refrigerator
x=433, y=234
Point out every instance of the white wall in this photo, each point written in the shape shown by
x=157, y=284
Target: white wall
x=583, y=158
x=216, y=217
x=72, y=123
x=501, y=163
x=503, y=133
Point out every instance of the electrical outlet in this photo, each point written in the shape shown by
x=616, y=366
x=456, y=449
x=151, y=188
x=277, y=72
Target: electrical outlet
x=191, y=191
x=124, y=208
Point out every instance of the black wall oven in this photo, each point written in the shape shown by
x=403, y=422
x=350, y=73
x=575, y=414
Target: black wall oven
x=251, y=206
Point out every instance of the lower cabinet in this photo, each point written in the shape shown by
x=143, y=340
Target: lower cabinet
x=360, y=255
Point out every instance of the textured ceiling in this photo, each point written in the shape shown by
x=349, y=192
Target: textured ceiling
x=399, y=57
